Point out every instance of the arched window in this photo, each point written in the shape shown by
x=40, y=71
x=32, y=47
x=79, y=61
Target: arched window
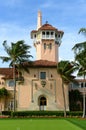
x=50, y=46
x=81, y=85
x=47, y=34
x=85, y=84
x=44, y=46
x=43, y=101
x=43, y=34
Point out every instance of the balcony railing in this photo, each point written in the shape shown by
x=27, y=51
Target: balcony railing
x=48, y=37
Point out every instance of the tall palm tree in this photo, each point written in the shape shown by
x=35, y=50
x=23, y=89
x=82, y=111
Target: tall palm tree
x=65, y=70
x=17, y=54
x=80, y=61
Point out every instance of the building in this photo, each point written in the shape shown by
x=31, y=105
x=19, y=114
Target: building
x=80, y=85
x=41, y=88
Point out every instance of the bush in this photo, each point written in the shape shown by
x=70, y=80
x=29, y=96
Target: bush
x=51, y=114
x=7, y=113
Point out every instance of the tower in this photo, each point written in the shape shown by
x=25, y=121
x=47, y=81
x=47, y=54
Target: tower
x=39, y=20
x=47, y=40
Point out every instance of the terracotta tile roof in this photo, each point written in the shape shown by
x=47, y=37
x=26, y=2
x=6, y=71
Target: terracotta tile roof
x=49, y=27
x=7, y=72
x=41, y=63
x=34, y=31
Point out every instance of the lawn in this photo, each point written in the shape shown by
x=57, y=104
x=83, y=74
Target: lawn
x=42, y=124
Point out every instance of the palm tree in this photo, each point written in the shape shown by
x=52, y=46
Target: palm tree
x=80, y=62
x=82, y=30
x=18, y=53
x=65, y=70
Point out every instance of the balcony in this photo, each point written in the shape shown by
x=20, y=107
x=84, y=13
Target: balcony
x=48, y=37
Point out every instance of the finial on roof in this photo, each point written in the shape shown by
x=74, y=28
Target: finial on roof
x=46, y=22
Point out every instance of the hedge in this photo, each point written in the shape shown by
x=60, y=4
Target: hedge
x=41, y=113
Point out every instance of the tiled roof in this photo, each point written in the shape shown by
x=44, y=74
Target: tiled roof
x=7, y=72
x=41, y=63
x=33, y=31
x=49, y=27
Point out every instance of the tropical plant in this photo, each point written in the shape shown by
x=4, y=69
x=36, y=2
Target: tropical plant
x=65, y=70
x=82, y=30
x=18, y=53
x=80, y=62
x=75, y=100
x=4, y=93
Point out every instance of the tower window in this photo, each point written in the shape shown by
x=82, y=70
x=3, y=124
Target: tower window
x=81, y=85
x=43, y=33
x=47, y=33
x=42, y=75
x=59, y=35
x=35, y=36
x=56, y=35
x=52, y=33
x=44, y=46
x=50, y=46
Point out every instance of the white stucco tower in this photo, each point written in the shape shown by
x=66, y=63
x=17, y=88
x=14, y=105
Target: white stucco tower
x=46, y=39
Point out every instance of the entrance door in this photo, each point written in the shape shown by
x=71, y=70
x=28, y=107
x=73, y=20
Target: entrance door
x=42, y=103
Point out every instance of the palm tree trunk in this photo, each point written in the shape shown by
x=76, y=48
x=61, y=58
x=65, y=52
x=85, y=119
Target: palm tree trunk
x=64, y=98
x=84, y=99
x=14, y=78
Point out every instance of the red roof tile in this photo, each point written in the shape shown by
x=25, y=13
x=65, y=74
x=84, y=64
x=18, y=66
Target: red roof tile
x=6, y=72
x=49, y=27
x=34, y=31
x=41, y=63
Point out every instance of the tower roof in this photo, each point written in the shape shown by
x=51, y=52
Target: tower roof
x=47, y=26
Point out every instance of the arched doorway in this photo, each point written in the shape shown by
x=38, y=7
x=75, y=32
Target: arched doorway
x=42, y=103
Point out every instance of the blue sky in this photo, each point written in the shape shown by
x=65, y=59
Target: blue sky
x=19, y=17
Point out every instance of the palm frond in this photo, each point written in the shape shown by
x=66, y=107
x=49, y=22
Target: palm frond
x=82, y=30
x=5, y=59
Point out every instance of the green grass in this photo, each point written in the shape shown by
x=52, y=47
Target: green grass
x=42, y=124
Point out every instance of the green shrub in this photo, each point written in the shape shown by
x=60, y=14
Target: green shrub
x=8, y=113
x=42, y=113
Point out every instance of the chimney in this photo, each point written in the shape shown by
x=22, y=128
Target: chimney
x=39, y=20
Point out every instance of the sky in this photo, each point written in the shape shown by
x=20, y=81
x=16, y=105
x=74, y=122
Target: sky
x=19, y=17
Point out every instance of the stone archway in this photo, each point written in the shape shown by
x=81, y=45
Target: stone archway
x=42, y=102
